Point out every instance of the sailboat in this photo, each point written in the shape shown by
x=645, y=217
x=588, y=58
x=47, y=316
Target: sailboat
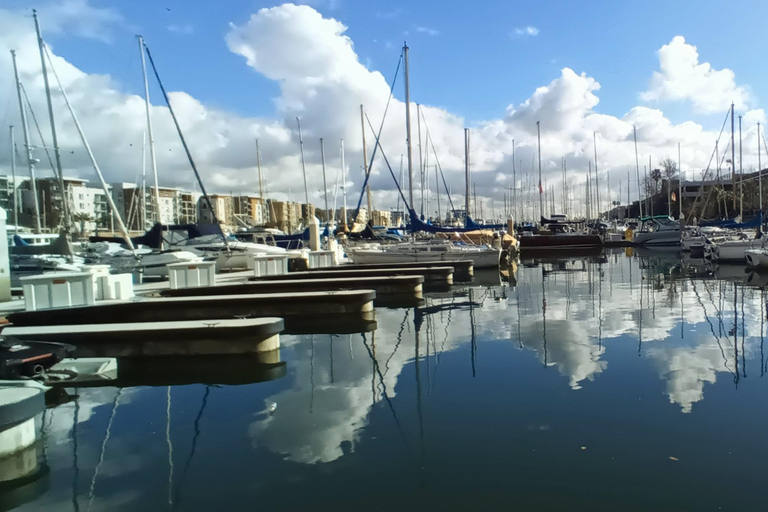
x=482, y=256
x=194, y=241
x=557, y=237
x=743, y=248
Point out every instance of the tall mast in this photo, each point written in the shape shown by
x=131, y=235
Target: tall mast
x=96, y=168
x=13, y=177
x=325, y=183
x=152, y=155
x=514, y=182
x=365, y=168
x=733, y=157
x=64, y=203
x=408, y=126
x=344, y=184
x=650, y=171
x=629, y=200
x=679, y=184
x=741, y=174
x=402, y=178
x=565, y=186
x=27, y=145
x=466, y=174
x=303, y=169
x=588, y=192
x=258, y=166
x=562, y=191
x=759, y=167
x=597, y=177
x=437, y=191
x=538, y=136
x=637, y=169
x=143, y=202
x=421, y=160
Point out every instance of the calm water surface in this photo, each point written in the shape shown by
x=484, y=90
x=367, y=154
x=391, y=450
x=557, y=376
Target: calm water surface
x=599, y=383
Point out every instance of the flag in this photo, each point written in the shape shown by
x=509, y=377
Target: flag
x=541, y=190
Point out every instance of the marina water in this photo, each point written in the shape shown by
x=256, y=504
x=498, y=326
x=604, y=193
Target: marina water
x=618, y=381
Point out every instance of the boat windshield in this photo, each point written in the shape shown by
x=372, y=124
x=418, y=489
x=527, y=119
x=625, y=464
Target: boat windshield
x=660, y=224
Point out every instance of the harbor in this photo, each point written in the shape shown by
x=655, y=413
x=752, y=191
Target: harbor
x=681, y=339
x=273, y=256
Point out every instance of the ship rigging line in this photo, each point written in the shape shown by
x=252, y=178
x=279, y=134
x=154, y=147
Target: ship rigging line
x=381, y=127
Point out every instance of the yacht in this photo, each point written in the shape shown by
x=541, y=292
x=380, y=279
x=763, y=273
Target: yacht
x=660, y=230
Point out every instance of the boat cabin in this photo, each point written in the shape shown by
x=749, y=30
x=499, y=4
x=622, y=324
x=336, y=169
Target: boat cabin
x=658, y=223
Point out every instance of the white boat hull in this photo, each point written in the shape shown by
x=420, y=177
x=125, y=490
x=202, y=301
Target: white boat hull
x=734, y=250
x=657, y=238
x=156, y=265
x=488, y=258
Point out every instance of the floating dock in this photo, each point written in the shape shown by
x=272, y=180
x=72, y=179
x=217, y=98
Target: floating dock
x=142, y=339
x=463, y=270
x=229, y=370
x=340, y=312
x=433, y=276
x=390, y=290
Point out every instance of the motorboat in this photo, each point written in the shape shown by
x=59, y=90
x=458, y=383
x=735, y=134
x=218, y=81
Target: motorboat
x=24, y=359
x=482, y=256
x=660, y=230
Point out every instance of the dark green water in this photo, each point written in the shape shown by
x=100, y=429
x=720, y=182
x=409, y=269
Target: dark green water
x=610, y=383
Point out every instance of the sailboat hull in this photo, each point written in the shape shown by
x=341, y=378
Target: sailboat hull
x=734, y=250
x=560, y=241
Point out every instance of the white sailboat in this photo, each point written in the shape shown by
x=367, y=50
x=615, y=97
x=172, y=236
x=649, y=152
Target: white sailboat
x=482, y=256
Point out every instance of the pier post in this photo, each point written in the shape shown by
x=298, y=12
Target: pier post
x=5, y=266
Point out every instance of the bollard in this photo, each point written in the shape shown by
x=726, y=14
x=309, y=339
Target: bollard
x=314, y=234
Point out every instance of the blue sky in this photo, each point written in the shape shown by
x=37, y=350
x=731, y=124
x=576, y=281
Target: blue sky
x=474, y=65
x=469, y=63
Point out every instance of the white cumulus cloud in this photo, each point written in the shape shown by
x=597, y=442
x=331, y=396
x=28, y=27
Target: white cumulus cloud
x=683, y=77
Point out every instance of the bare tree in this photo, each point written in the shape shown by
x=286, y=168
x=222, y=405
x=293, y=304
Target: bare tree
x=668, y=168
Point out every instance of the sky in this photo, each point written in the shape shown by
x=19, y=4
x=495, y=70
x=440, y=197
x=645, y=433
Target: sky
x=242, y=70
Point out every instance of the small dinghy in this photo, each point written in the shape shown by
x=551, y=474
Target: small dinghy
x=19, y=359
